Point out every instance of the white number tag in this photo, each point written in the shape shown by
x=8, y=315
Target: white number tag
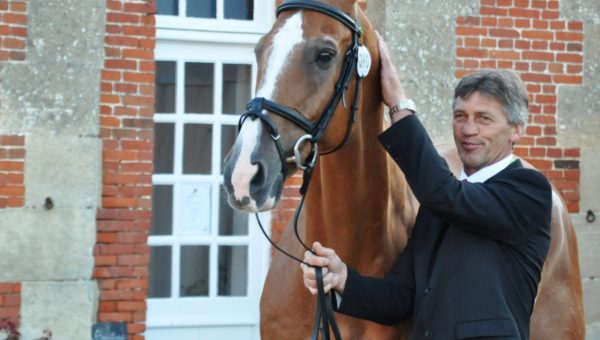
x=363, y=64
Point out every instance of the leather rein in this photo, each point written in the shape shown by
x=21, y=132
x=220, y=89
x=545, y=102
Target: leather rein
x=357, y=57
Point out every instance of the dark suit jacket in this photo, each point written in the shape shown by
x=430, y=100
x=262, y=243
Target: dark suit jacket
x=473, y=262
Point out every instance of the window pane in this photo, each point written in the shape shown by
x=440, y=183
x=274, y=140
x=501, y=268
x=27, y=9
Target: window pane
x=236, y=87
x=231, y=222
x=159, y=284
x=167, y=7
x=164, y=144
x=197, y=149
x=202, y=8
x=239, y=9
x=162, y=210
x=194, y=271
x=199, y=88
x=195, y=205
x=165, y=87
x=233, y=270
x=228, y=134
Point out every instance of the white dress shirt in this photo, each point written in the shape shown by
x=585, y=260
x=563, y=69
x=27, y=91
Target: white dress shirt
x=487, y=172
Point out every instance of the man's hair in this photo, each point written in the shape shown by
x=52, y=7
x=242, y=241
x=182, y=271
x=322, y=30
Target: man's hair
x=501, y=85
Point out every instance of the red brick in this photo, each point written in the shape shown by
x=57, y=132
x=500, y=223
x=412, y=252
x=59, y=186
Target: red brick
x=131, y=305
x=114, y=317
x=14, y=18
x=569, y=36
x=538, y=34
x=553, y=15
x=540, y=163
x=573, y=207
x=494, y=11
x=504, y=33
x=544, y=56
x=568, y=79
x=574, y=152
x=508, y=44
x=572, y=174
x=569, y=57
x=470, y=31
x=550, y=130
x=545, y=141
x=524, y=13
x=544, y=119
x=505, y=22
x=133, y=260
x=536, y=77
x=575, y=25
x=542, y=99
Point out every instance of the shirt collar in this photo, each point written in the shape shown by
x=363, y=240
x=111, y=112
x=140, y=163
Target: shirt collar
x=487, y=172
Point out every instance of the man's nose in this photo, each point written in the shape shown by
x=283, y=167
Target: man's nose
x=469, y=127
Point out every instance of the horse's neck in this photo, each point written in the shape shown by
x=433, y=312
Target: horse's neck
x=358, y=201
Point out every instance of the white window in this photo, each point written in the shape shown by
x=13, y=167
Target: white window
x=208, y=262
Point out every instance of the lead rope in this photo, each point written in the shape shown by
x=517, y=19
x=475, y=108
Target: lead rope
x=324, y=317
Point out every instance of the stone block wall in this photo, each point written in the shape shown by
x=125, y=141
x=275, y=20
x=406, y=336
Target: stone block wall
x=49, y=165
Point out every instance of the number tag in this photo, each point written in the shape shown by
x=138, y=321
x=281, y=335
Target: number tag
x=363, y=64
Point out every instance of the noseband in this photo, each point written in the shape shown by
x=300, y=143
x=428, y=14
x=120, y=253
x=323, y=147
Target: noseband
x=356, y=56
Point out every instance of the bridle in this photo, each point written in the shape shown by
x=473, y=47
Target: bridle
x=357, y=57
x=356, y=54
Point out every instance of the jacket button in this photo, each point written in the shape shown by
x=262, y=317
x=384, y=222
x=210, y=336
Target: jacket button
x=427, y=290
x=428, y=334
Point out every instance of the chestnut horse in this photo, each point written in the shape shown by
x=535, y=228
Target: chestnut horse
x=358, y=201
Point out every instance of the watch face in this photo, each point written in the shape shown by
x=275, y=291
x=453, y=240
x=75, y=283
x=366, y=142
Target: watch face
x=408, y=104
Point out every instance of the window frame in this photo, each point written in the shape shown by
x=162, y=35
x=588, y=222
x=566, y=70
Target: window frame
x=218, y=42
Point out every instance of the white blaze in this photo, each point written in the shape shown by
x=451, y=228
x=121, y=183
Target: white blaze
x=284, y=41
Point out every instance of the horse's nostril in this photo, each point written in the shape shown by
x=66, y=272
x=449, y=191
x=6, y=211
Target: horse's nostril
x=258, y=180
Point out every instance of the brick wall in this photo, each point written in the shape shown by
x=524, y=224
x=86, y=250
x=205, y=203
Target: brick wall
x=547, y=51
x=126, y=128
x=10, y=306
x=12, y=167
x=13, y=29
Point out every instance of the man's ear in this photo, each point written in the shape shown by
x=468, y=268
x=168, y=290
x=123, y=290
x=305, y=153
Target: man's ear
x=517, y=132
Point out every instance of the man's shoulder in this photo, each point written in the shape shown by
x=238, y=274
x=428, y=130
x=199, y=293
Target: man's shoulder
x=524, y=177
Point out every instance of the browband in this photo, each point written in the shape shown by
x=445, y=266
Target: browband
x=323, y=8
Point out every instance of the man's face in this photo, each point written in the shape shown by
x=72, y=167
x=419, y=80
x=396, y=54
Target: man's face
x=482, y=132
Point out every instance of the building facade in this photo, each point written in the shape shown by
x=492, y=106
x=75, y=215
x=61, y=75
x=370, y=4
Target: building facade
x=115, y=116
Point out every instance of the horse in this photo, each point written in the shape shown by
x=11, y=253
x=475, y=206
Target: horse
x=358, y=201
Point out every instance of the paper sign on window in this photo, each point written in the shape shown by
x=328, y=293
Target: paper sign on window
x=195, y=208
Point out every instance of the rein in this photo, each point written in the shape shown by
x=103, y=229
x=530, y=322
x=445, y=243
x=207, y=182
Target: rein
x=357, y=57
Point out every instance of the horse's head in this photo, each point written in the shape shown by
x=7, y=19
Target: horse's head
x=312, y=50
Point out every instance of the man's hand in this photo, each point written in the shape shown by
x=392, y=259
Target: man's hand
x=335, y=271
x=391, y=88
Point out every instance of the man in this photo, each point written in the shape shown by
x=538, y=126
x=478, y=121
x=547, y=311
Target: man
x=473, y=262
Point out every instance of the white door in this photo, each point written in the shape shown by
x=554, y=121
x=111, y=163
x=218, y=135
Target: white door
x=208, y=262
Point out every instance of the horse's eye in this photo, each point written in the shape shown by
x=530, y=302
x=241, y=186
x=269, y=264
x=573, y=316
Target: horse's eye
x=325, y=56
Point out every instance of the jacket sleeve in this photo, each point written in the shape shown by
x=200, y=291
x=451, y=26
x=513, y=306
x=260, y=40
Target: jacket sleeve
x=506, y=208
x=387, y=300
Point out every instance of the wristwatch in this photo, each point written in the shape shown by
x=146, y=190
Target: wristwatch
x=406, y=104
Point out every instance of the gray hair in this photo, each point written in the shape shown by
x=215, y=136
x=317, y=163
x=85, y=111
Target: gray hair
x=502, y=85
